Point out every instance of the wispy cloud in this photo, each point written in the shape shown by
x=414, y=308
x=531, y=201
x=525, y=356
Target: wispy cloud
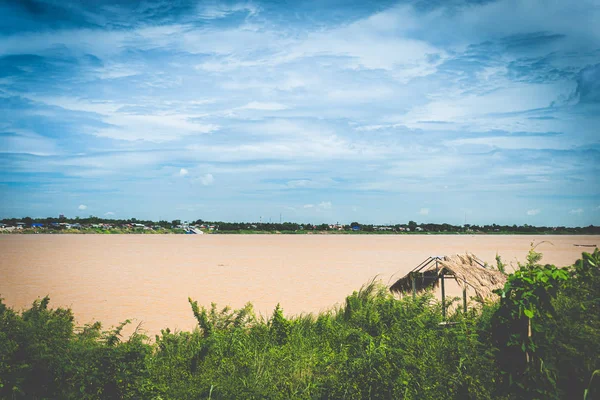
x=535, y=211
x=424, y=211
x=255, y=105
x=576, y=211
x=325, y=205
x=82, y=207
x=206, y=179
x=218, y=11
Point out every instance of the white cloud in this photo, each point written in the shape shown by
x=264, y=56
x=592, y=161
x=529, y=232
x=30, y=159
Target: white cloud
x=300, y=183
x=317, y=146
x=217, y=11
x=256, y=105
x=206, y=179
x=183, y=172
x=459, y=107
x=535, y=211
x=315, y=183
x=576, y=211
x=424, y=211
x=325, y=205
x=376, y=42
x=82, y=207
x=152, y=128
x=367, y=93
x=28, y=142
x=158, y=127
x=109, y=213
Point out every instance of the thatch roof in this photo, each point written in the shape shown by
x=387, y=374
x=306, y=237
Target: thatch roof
x=466, y=269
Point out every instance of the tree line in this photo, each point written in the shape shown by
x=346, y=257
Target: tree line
x=224, y=226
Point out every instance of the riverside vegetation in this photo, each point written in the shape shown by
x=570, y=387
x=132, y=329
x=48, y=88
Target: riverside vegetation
x=96, y=225
x=539, y=339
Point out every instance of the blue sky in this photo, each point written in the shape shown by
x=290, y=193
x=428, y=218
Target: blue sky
x=320, y=111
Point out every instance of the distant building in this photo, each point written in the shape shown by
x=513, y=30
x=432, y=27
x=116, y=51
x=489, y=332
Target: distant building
x=37, y=225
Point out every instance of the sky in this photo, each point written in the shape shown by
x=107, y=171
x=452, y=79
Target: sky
x=309, y=111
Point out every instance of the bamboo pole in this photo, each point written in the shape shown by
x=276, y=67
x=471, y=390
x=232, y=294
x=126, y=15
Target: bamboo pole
x=443, y=297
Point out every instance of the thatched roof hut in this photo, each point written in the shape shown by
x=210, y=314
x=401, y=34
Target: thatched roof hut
x=466, y=269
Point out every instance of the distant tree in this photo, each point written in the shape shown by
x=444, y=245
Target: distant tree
x=412, y=225
x=354, y=224
x=176, y=222
x=322, y=227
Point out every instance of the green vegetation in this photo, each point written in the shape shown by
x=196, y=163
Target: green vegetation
x=94, y=224
x=541, y=339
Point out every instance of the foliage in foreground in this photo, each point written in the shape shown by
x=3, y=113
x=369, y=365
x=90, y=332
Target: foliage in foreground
x=541, y=340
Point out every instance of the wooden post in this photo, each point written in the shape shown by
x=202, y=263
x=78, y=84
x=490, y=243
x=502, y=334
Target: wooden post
x=465, y=299
x=443, y=297
x=414, y=285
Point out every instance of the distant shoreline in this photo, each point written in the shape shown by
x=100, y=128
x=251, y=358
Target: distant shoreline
x=270, y=233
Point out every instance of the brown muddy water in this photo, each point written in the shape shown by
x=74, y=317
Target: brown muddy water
x=148, y=278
